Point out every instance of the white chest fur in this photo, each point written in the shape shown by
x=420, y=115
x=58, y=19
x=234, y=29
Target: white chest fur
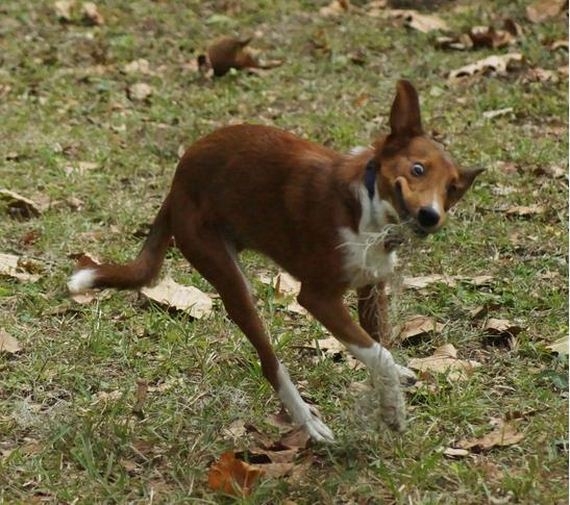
x=366, y=260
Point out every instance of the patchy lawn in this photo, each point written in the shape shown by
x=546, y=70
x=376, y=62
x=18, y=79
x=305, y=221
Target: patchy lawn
x=117, y=400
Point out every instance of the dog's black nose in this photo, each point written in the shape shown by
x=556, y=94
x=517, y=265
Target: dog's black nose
x=428, y=217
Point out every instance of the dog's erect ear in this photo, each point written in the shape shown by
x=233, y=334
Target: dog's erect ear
x=405, y=119
x=466, y=178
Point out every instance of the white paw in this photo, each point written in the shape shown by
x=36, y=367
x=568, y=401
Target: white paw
x=407, y=377
x=393, y=408
x=318, y=430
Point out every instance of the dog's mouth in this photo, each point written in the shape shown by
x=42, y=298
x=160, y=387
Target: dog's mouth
x=407, y=218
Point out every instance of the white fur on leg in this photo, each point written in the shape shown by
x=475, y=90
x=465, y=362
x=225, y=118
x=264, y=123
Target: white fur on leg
x=386, y=380
x=81, y=281
x=299, y=410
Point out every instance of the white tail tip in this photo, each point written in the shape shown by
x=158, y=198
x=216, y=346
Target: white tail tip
x=81, y=281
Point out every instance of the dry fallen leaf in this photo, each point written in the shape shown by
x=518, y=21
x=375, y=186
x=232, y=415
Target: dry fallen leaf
x=445, y=361
x=418, y=326
x=498, y=64
x=504, y=434
x=21, y=207
x=491, y=114
x=525, y=210
x=226, y=53
x=91, y=14
x=502, y=327
x=424, y=23
x=453, y=452
x=140, y=66
x=8, y=344
x=286, y=285
x=489, y=36
x=541, y=10
x=139, y=92
x=17, y=268
x=140, y=396
x=559, y=44
x=235, y=430
x=560, y=346
x=62, y=9
x=335, y=8
x=185, y=298
x=233, y=476
x=424, y=281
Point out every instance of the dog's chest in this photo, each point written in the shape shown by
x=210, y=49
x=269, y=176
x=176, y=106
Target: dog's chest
x=365, y=258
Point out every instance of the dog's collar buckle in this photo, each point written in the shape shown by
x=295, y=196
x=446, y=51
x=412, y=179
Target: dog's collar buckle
x=370, y=178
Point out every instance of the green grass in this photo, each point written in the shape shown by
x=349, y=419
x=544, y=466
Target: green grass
x=67, y=431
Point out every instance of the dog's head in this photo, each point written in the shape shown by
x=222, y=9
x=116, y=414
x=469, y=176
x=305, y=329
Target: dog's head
x=415, y=174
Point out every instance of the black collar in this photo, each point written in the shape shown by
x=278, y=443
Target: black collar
x=370, y=178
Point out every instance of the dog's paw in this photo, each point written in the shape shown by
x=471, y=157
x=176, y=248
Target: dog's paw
x=393, y=409
x=318, y=430
x=407, y=377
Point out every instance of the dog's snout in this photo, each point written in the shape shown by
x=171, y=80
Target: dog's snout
x=428, y=217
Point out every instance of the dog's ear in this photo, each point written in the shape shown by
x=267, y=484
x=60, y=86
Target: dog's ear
x=405, y=119
x=466, y=178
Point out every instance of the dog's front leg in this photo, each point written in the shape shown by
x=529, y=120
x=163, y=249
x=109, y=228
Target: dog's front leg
x=331, y=312
x=373, y=312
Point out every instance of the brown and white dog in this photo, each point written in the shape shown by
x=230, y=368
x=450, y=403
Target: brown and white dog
x=329, y=219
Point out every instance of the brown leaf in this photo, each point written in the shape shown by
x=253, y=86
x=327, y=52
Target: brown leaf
x=418, y=326
x=62, y=10
x=489, y=36
x=538, y=74
x=424, y=23
x=226, y=53
x=560, y=346
x=503, y=435
x=296, y=439
x=424, y=281
x=444, y=361
x=498, y=64
x=541, y=10
x=17, y=268
x=525, y=210
x=91, y=14
x=286, y=285
x=235, y=430
x=21, y=207
x=185, y=298
x=502, y=327
x=142, y=390
x=8, y=344
x=282, y=420
x=233, y=476
x=559, y=44
x=452, y=452
x=335, y=8
x=139, y=92
x=140, y=66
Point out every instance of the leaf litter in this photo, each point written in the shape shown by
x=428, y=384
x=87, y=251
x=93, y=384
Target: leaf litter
x=236, y=472
x=187, y=299
x=8, y=344
x=444, y=360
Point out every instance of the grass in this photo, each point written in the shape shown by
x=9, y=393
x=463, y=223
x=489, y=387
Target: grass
x=67, y=431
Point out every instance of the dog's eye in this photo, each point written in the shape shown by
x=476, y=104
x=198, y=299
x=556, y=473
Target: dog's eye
x=418, y=169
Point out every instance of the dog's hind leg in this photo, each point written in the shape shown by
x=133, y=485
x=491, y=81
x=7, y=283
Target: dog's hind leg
x=208, y=251
x=373, y=312
x=374, y=317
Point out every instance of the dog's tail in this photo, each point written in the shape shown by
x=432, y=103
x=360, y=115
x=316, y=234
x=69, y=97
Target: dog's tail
x=139, y=272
